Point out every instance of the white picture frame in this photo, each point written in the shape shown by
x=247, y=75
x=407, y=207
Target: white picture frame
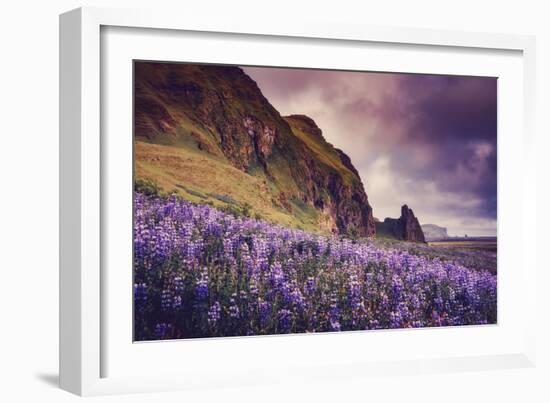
x=84, y=340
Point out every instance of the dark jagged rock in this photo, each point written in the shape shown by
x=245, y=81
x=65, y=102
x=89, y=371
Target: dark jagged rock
x=412, y=231
x=222, y=112
x=406, y=227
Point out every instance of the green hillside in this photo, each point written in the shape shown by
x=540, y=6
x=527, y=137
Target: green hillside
x=208, y=134
x=204, y=178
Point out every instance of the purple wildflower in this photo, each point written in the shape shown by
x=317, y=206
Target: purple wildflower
x=284, y=317
x=214, y=313
x=201, y=290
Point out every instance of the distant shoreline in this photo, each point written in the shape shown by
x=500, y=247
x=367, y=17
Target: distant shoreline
x=464, y=239
x=481, y=243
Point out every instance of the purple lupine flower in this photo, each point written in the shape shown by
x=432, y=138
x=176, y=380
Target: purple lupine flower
x=214, y=313
x=178, y=284
x=176, y=302
x=296, y=298
x=374, y=324
x=140, y=293
x=264, y=311
x=395, y=320
x=436, y=318
x=166, y=299
x=284, y=317
x=276, y=275
x=161, y=330
x=334, y=315
x=254, y=290
x=310, y=286
x=201, y=289
x=234, y=311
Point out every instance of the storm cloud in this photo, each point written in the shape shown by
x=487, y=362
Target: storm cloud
x=425, y=140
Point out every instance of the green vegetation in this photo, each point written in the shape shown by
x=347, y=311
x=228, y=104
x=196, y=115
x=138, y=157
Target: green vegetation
x=384, y=232
x=204, y=178
x=192, y=192
x=147, y=187
x=323, y=151
x=224, y=198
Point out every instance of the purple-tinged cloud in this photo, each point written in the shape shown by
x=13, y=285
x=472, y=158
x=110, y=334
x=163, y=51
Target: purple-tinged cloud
x=426, y=140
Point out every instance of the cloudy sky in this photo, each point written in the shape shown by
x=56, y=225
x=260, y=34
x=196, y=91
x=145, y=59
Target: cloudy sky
x=423, y=140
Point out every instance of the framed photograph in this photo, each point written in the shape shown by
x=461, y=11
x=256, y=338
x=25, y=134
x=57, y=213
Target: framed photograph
x=241, y=204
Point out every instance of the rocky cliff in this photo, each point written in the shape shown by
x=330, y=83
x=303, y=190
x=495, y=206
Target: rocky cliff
x=217, y=115
x=432, y=231
x=405, y=228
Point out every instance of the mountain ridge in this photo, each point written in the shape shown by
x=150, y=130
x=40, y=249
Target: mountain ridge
x=215, y=121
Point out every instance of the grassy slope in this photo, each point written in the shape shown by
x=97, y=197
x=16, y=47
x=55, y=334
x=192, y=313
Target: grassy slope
x=324, y=152
x=185, y=133
x=205, y=178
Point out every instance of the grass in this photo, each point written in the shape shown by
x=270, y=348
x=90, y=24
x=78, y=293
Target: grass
x=324, y=152
x=185, y=133
x=204, y=178
x=384, y=232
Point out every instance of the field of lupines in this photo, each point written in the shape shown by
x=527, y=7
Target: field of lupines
x=201, y=272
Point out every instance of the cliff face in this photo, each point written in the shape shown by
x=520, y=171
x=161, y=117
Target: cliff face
x=219, y=108
x=406, y=227
x=432, y=231
x=332, y=183
x=220, y=112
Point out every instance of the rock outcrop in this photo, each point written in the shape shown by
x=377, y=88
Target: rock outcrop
x=406, y=227
x=219, y=110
